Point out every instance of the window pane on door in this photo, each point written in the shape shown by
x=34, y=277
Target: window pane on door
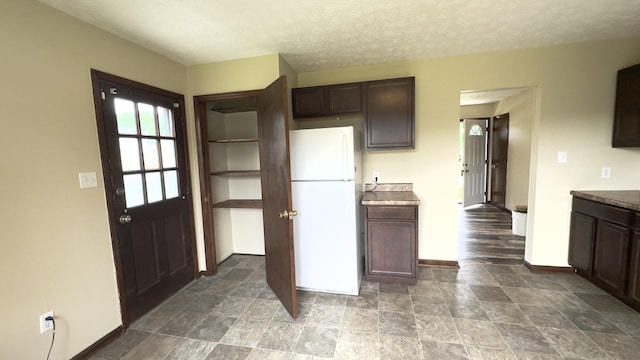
x=165, y=121
x=150, y=154
x=129, y=154
x=133, y=193
x=168, y=153
x=171, y=184
x=125, y=116
x=147, y=119
x=154, y=187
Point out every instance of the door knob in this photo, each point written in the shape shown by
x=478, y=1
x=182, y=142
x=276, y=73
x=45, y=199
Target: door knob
x=287, y=214
x=124, y=219
x=120, y=191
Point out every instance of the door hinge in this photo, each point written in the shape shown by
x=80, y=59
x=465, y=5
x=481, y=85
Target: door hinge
x=176, y=105
x=104, y=96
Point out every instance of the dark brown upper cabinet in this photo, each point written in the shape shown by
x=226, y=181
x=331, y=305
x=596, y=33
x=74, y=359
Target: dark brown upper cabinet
x=388, y=107
x=309, y=102
x=345, y=98
x=390, y=110
x=626, y=123
x=329, y=100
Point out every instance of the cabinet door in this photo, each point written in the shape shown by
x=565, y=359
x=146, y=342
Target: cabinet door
x=626, y=124
x=611, y=254
x=391, y=248
x=633, y=291
x=389, y=116
x=309, y=102
x=345, y=98
x=581, y=240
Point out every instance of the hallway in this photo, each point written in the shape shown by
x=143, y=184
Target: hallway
x=485, y=237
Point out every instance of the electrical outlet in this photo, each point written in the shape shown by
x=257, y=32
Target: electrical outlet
x=376, y=177
x=46, y=325
x=606, y=172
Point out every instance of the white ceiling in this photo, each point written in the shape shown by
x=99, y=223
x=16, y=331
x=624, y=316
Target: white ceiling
x=324, y=34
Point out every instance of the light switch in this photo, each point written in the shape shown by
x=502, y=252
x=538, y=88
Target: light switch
x=88, y=180
x=562, y=157
x=606, y=172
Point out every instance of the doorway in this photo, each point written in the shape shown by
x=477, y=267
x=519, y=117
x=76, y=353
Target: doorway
x=269, y=109
x=507, y=184
x=142, y=137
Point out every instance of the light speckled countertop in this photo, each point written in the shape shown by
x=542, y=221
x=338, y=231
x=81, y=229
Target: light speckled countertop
x=389, y=194
x=628, y=199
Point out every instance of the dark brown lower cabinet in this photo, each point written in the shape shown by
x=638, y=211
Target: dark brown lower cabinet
x=604, y=248
x=611, y=255
x=391, y=244
x=633, y=291
x=583, y=230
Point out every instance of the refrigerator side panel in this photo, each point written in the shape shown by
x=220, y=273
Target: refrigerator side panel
x=326, y=237
x=322, y=154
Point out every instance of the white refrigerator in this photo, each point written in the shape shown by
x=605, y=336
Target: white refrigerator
x=326, y=186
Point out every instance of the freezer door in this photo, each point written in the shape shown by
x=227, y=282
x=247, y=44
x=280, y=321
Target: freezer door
x=322, y=154
x=326, y=237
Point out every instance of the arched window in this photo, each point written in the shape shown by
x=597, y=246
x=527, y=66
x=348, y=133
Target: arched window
x=475, y=130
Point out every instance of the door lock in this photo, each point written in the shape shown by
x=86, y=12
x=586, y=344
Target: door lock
x=287, y=214
x=124, y=219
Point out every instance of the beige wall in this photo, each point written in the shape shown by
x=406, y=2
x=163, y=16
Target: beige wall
x=55, y=247
x=572, y=111
x=521, y=112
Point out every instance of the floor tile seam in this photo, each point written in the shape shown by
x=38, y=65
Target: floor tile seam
x=598, y=345
x=512, y=350
x=583, y=333
x=172, y=349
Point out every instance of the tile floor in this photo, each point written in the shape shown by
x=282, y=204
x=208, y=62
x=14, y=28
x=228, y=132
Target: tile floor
x=480, y=311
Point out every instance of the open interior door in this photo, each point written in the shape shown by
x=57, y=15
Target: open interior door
x=273, y=134
x=500, y=149
x=475, y=145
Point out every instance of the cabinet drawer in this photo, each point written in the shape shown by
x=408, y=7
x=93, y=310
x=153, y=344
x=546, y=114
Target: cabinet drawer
x=606, y=212
x=391, y=212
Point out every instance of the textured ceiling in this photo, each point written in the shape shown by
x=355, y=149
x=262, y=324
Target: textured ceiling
x=324, y=34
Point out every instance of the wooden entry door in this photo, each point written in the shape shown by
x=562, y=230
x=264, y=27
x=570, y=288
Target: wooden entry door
x=144, y=159
x=499, y=150
x=273, y=134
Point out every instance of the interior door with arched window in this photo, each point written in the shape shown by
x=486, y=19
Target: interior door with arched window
x=474, y=162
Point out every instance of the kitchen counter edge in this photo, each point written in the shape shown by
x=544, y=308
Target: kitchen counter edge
x=627, y=199
x=390, y=198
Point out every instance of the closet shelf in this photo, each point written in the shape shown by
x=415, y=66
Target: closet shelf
x=237, y=173
x=239, y=204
